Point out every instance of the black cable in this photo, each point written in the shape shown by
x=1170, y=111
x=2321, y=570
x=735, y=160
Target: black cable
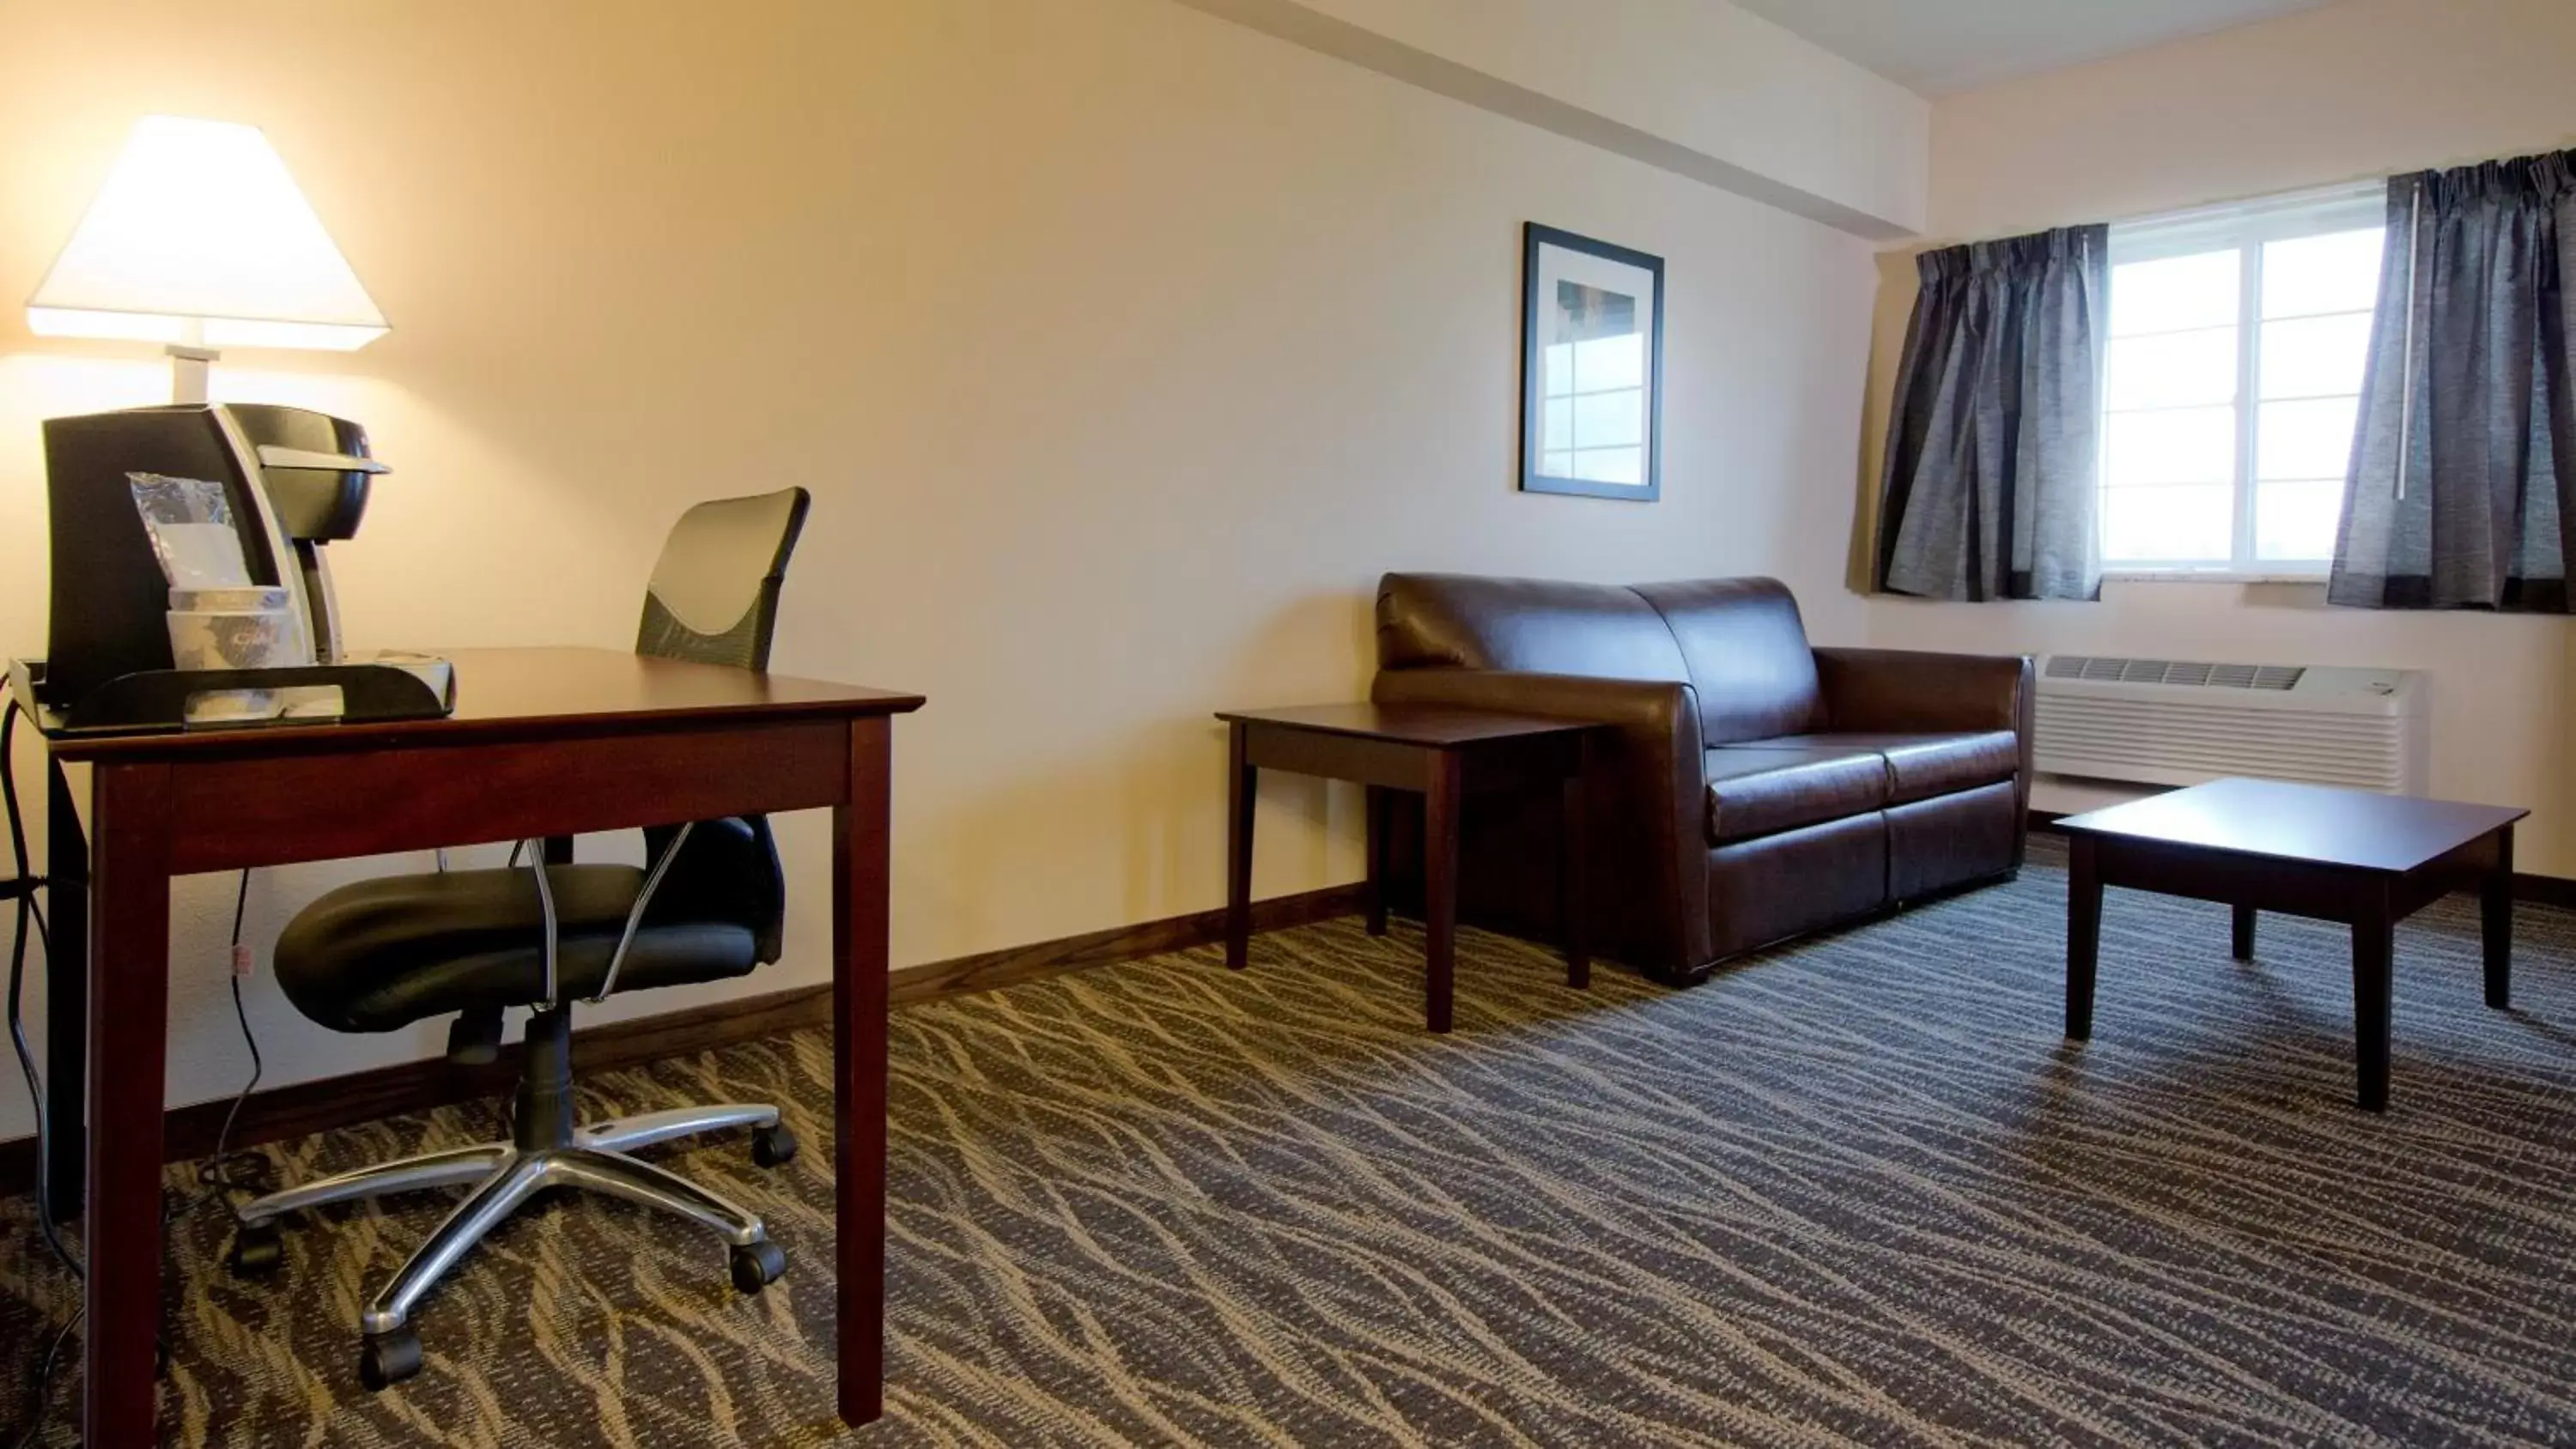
x=29, y=881
x=45, y=1378
x=28, y=911
x=218, y=1173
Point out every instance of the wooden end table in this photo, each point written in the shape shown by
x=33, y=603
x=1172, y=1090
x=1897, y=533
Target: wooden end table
x=2368, y=861
x=1441, y=754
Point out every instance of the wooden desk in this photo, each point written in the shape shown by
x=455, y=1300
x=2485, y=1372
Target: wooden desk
x=1438, y=753
x=2365, y=860
x=544, y=742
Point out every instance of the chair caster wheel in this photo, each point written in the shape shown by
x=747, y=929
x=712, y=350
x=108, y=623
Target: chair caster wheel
x=773, y=1146
x=757, y=1265
x=388, y=1358
x=257, y=1251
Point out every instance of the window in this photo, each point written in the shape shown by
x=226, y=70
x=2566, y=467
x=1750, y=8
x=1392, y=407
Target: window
x=2238, y=340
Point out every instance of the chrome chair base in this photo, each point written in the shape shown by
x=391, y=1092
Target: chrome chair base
x=546, y=1151
x=504, y=1176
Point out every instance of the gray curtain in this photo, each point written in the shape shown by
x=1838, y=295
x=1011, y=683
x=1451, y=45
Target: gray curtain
x=1993, y=443
x=2464, y=464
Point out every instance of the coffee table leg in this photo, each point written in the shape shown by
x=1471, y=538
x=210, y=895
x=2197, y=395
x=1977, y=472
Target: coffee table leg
x=2244, y=932
x=1440, y=886
x=2373, y=950
x=1569, y=885
x=2495, y=907
x=2083, y=936
x=1241, y=787
x=1379, y=802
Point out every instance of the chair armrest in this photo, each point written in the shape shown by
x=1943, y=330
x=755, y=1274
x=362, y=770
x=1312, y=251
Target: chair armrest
x=1897, y=690
x=1646, y=790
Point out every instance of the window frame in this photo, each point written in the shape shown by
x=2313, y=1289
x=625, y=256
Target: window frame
x=2243, y=227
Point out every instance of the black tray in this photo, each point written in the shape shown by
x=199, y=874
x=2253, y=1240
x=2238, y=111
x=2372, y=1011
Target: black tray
x=156, y=700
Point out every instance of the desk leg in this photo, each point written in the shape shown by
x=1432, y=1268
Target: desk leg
x=66, y=995
x=130, y=982
x=1440, y=886
x=1380, y=801
x=1242, y=783
x=2083, y=935
x=860, y=884
x=2495, y=909
x=2243, y=930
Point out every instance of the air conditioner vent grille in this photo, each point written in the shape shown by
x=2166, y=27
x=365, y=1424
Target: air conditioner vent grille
x=2176, y=672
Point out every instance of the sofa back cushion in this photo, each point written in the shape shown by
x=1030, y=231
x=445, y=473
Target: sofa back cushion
x=1748, y=654
x=1464, y=621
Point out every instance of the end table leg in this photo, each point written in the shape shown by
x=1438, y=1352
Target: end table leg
x=1241, y=782
x=1379, y=802
x=2083, y=936
x=2373, y=947
x=2495, y=909
x=2244, y=933
x=1440, y=887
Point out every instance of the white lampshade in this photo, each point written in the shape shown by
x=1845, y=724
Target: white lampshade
x=200, y=237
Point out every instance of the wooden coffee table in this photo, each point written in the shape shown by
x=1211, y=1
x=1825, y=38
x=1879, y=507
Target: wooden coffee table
x=2366, y=860
x=1439, y=753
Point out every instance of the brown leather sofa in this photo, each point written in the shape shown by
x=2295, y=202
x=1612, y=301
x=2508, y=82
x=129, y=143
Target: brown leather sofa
x=1754, y=788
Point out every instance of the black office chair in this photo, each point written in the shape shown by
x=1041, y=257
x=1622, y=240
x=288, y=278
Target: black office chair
x=382, y=954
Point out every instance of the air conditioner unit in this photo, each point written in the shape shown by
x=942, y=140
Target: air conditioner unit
x=2162, y=722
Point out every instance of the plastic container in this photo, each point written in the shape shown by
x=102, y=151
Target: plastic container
x=256, y=638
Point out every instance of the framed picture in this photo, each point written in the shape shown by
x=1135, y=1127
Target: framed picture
x=1592, y=368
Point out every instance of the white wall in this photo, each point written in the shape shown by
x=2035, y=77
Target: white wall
x=2362, y=88
x=1122, y=347
x=1712, y=88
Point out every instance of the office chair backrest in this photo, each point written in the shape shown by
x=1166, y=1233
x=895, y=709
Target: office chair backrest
x=714, y=594
x=713, y=599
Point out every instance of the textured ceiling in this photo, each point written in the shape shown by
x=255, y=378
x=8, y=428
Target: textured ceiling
x=1934, y=46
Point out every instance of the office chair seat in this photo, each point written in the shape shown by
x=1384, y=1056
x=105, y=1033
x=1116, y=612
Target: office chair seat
x=381, y=954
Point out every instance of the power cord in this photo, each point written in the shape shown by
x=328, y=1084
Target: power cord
x=227, y=1171
x=28, y=913
x=29, y=882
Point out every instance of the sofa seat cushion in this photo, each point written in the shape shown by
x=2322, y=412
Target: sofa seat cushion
x=1775, y=785
x=1920, y=766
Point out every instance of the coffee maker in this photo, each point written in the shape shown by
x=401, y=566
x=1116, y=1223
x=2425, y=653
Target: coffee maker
x=295, y=480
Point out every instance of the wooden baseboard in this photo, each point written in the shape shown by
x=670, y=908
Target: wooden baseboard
x=282, y=1113
x=2538, y=890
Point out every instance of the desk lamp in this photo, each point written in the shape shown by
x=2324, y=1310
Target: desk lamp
x=201, y=240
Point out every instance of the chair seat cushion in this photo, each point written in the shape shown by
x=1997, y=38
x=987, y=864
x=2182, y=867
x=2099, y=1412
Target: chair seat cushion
x=378, y=955
x=1774, y=785
x=1920, y=766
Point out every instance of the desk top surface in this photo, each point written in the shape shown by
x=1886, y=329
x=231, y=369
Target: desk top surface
x=532, y=693
x=2313, y=823
x=1439, y=726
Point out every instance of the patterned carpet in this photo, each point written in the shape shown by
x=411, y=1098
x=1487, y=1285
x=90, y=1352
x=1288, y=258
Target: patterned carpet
x=1855, y=1191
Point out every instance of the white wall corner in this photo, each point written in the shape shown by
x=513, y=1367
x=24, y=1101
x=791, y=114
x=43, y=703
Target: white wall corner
x=1696, y=87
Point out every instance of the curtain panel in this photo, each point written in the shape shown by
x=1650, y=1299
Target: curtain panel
x=2463, y=481
x=1994, y=437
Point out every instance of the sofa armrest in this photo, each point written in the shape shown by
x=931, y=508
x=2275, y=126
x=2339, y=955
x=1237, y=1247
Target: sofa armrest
x=1897, y=690
x=1646, y=790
